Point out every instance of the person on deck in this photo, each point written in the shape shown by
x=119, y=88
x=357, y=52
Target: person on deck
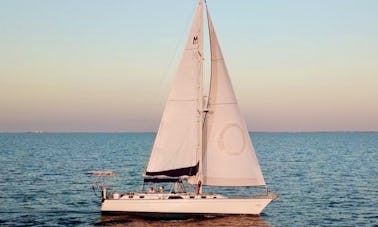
x=198, y=189
x=178, y=187
x=152, y=190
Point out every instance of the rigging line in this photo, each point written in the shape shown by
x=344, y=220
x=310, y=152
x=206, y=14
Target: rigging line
x=222, y=103
x=182, y=100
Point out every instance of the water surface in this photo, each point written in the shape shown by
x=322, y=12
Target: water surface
x=327, y=179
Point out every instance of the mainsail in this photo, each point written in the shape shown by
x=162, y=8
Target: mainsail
x=178, y=140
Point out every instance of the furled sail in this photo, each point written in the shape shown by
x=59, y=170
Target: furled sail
x=177, y=142
x=229, y=158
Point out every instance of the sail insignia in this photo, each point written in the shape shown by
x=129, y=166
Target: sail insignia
x=195, y=39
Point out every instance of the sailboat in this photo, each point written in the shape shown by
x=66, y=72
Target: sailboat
x=202, y=141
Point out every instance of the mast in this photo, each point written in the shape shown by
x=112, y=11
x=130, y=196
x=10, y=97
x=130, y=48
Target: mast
x=200, y=101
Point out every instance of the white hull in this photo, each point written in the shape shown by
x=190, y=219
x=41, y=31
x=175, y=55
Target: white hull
x=196, y=206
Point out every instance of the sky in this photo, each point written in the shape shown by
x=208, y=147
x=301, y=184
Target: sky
x=106, y=66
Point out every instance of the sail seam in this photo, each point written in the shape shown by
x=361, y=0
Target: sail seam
x=182, y=100
x=217, y=59
x=194, y=48
x=223, y=103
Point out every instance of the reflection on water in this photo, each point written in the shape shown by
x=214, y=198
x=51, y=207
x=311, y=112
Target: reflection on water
x=234, y=220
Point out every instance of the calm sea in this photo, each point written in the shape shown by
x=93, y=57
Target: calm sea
x=323, y=179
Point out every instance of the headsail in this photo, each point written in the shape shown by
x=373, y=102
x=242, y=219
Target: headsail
x=176, y=145
x=229, y=158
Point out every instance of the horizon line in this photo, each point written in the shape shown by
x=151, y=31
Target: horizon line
x=111, y=132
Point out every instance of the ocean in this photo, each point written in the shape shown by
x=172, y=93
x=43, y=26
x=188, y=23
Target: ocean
x=322, y=179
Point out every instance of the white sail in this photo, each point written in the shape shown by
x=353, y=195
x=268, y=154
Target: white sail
x=178, y=140
x=229, y=158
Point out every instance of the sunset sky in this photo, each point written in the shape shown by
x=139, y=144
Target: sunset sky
x=106, y=66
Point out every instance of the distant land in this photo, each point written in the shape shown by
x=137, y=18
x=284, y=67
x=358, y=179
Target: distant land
x=79, y=132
